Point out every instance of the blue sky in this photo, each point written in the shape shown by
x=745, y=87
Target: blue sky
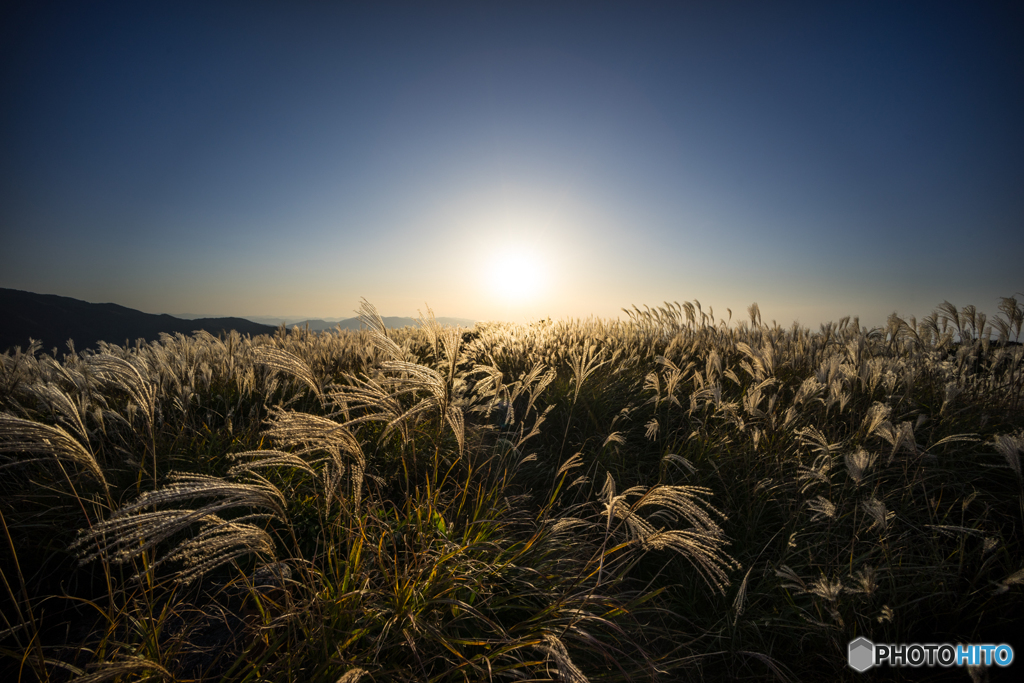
x=514, y=160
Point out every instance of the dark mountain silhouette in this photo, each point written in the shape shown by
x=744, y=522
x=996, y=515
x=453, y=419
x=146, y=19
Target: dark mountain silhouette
x=55, y=319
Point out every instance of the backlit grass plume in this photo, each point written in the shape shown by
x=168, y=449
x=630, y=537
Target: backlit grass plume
x=41, y=442
x=150, y=521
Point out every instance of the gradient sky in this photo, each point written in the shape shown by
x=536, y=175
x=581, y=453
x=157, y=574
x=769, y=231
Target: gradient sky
x=514, y=160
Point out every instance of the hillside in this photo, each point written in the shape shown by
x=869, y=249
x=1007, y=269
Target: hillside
x=55, y=319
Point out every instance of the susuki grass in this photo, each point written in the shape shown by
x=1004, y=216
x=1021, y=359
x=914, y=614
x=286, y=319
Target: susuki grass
x=671, y=497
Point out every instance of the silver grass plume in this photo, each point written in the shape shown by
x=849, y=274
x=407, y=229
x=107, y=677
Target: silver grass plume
x=448, y=340
x=858, y=463
x=880, y=516
x=59, y=401
x=701, y=544
x=136, y=666
x=901, y=436
x=812, y=436
x=796, y=583
x=679, y=461
x=575, y=461
x=822, y=507
x=535, y=429
x=373, y=394
x=250, y=461
x=281, y=360
x=412, y=378
x=1016, y=578
x=583, y=364
x=312, y=434
x=875, y=419
x=18, y=435
x=135, y=529
x=866, y=581
x=219, y=541
x=433, y=329
x=555, y=652
x=741, y=597
x=565, y=526
x=127, y=375
x=614, y=437
x=824, y=588
x=352, y=675
x=491, y=386
x=369, y=316
x=532, y=383
x=1010, y=447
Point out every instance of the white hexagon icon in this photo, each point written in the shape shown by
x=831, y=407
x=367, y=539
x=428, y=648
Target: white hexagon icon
x=861, y=654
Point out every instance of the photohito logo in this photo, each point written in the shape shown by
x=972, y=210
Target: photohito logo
x=863, y=654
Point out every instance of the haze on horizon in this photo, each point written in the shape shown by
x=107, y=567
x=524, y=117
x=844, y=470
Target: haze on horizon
x=514, y=160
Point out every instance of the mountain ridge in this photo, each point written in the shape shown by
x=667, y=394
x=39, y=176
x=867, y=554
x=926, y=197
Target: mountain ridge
x=55, y=319
x=391, y=322
x=321, y=324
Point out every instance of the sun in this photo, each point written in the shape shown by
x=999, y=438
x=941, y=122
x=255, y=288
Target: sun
x=515, y=274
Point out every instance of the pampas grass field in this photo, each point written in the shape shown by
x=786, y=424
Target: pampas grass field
x=672, y=497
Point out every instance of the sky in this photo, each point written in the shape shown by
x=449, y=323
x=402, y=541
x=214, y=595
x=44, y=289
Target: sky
x=514, y=160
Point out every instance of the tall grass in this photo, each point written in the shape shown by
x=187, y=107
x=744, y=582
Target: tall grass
x=669, y=497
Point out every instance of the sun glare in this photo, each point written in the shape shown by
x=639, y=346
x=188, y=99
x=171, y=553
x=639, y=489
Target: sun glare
x=515, y=275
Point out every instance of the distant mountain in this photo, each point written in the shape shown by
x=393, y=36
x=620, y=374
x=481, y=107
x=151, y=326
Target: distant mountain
x=272, y=320
x=395, y=322
x=321, y=325
x=55, y=319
